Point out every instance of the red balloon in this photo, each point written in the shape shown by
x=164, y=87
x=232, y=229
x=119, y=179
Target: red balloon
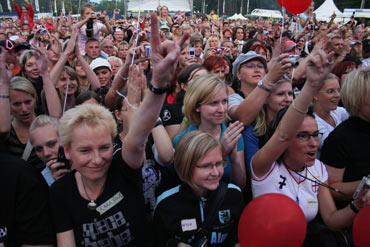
x=272, y=220
x=361, y=229
x=297, y=6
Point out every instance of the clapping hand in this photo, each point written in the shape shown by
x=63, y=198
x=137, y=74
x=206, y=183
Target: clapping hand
x=231, y=136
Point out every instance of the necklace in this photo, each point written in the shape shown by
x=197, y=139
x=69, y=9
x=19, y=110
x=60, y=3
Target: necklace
x=92, y=204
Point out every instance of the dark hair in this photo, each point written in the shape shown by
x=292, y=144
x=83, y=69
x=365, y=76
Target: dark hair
x=235, y=30
x=249, y=44
x=187, y=71
x=91, y=40
x=84, y=96
x=275, y=123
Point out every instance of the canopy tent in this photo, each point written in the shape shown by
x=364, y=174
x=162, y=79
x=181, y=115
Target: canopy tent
x=237, y=17
x=324, y=12
x=151, y=5
x=266, y=13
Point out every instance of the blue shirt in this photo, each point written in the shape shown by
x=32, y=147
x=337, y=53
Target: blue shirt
x=240, y=147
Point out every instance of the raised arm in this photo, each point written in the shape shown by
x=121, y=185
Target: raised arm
x=107, y=29
x=4, y=97
x=248, y=110
x=317, y=69
x=164, y=60
x=16, y=7
x=58, y=67
x=51, y=95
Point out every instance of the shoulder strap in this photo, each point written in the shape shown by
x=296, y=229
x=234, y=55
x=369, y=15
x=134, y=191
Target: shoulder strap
x=219, y=198
x=27, y=150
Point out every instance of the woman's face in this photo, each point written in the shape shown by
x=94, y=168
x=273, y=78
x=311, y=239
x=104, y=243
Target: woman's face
x=65, y=79
x=22, y=106
x=24, y=10
x=184, y=54
x=79, y=70
x=213, y=43
x=31, y=70
x=104, y=75
x=214, y=112
x=52, y=56
x=86, y=13
x=227, y=35
x=115, y=66
x=261, y=52
x=329, y=95
x=219, y=71
x=164, y=11
x=281, y=97
x=207, y=33
x=194, y=75
x=122, y=114
x=301, y=153
x=239, y=34
x=45, y=141
x=90, y=151
x=251, y=72
x=208, y=172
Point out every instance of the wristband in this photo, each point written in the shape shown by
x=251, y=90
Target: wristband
x=159, y=90
x=353, y=207
x=297, y=110
x=185, y=120
x=4, y=96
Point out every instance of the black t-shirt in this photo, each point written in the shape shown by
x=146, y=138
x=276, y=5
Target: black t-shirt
x=347, y=146
x=25, y=216
x=171, y=114
x=119, y=219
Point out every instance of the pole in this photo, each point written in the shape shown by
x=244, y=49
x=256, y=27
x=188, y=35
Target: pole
x=248, y=7
x=362, y=4
x=241, y=6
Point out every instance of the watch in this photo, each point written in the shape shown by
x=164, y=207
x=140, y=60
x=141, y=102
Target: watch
x=260, y=85
x=159, y=90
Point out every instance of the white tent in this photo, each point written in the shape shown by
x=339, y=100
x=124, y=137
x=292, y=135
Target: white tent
x=151, y=5
x=266, y=13
x=237, y=17
x=324, y=12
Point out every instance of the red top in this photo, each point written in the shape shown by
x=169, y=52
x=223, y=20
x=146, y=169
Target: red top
x=29, y=15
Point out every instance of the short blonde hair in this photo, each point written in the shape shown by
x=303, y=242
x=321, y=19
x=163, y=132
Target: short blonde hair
x=20, y=83
x=355, y=90
x=190, y=149
x=201, y=91
x=43, y=120
x=91, y=115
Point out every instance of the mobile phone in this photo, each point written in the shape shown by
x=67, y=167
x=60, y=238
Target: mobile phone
x=362, y=188
x=148, y=51
x=62, y=159
x=191, y=52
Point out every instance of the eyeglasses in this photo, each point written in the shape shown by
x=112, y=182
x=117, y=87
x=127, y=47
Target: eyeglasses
x=108, y=47
x=305, y=136
x=331, y=91
x=253, y=65
x=209, y=167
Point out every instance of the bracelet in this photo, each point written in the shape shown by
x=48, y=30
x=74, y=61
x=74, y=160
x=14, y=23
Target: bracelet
x=297, y=110
x=123, y=78
x=158, y=90
x=4, y=96
x=353, y=207
x=341, y=55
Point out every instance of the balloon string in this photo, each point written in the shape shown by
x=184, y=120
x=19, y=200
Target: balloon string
x=282, y=24
x=65, y=99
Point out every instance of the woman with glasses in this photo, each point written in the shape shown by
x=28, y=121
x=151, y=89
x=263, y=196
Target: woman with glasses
x=327, y=113
x=287, y=163
x=202, y=210
x=205, y=107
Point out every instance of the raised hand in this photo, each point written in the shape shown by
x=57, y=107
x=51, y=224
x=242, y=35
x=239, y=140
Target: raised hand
x=318, y=67
x=41, y=59
x=164, y=56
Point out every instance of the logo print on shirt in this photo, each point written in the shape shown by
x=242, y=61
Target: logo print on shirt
x=166, y=115
x=224, y=216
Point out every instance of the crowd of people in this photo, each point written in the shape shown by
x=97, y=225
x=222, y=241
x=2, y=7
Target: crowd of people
x=158, y=130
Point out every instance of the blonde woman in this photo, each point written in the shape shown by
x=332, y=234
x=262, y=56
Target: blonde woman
x=205, y=107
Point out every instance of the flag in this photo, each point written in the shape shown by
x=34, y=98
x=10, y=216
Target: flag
x=63, y=9
x=37, y=5
x=9, y=5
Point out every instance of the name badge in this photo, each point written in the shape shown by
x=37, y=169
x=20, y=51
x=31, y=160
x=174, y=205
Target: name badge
x=110, y=203
x=188, y=225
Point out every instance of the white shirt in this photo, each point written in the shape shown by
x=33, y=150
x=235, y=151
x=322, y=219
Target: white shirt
x=280, y=179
